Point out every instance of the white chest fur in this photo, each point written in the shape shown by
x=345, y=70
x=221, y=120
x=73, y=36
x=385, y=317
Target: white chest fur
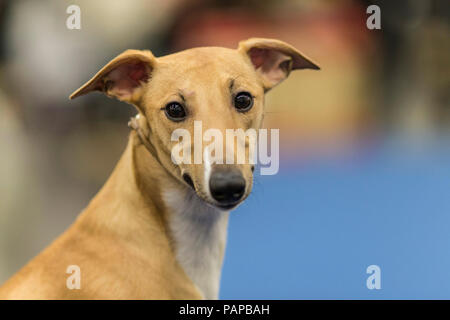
x=200, y=233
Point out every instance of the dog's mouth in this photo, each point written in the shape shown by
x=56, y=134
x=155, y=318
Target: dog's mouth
x=187, y=178
x=227, y=207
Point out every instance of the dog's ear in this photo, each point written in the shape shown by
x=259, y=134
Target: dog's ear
x=274, y=59
x=123, y=77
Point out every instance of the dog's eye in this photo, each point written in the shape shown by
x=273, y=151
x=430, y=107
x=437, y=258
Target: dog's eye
x=175, y=111
x=243, y=101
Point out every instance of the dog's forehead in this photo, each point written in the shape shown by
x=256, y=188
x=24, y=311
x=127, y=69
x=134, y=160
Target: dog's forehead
x=213, y=59
x=201, y=72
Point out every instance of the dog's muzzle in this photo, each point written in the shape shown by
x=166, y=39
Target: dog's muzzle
x=227, y=187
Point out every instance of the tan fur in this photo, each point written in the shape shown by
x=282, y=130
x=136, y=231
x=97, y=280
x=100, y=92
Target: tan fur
x=122, y=240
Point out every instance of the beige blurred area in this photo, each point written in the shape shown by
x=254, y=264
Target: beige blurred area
x=56, y=153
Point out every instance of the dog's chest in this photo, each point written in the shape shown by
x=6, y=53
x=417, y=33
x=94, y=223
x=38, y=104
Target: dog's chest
x=199, y=233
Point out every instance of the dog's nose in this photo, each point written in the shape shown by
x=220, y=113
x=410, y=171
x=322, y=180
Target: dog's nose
x=227, y=186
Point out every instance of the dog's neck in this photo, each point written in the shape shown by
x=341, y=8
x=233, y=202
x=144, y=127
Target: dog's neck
x=199, y=233
x=196, y=230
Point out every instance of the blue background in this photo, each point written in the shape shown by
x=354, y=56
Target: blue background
x=311, y=231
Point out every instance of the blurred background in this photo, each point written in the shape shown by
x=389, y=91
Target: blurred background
x=365, y=152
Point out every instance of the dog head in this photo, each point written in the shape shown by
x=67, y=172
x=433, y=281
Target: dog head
x=190, y=100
